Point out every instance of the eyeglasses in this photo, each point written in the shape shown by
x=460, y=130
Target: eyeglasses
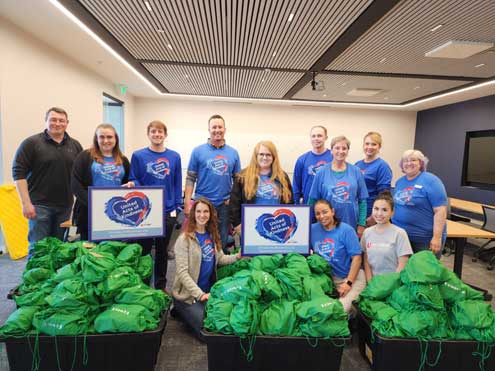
x=267, y=155
x=54, y=120
x=409, y=160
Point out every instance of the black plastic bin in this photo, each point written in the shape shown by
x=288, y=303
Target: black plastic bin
x=392, y=354
x=106, y=352
x=273, y=353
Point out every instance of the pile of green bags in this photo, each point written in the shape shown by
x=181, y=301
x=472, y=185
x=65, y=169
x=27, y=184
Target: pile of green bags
x=426, y=301
x=276, y=295
x=83, y=288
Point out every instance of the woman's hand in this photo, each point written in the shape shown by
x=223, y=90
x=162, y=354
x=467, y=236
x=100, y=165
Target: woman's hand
x=360, y=231
x=129, y=185
x=343, y=289
x=435, y=244
x=204, y=297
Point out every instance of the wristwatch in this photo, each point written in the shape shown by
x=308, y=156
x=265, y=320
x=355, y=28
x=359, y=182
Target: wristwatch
x=349, y=283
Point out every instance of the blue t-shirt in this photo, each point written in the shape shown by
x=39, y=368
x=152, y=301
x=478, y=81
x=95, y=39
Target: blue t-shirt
x=414, y=202
x=207, y=260
x=268, y=192
x=343, y=191
x=377, y=176
x=337, y=246
x=215, y=168
x=107, y=174
x=305, y=170
x=149, y=168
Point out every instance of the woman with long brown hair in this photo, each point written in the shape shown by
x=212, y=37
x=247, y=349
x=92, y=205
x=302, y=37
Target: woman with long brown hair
x=198, y=251
x=102, y=165
x=263, y=182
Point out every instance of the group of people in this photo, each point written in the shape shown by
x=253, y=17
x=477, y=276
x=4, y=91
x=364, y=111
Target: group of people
x=362, y=228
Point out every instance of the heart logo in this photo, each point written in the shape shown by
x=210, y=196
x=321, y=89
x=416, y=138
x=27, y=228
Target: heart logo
x=131, y=209
x=279, y=226
x=159, y=168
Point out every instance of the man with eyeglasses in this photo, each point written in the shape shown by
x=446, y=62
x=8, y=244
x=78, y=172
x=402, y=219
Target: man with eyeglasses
x=41, y=171
x=212, y=167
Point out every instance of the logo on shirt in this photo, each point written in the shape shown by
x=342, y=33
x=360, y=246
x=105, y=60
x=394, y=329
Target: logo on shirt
x=279, y=226
x=108, y=170
x=159, y=168
x=363, y=171
x=131, y=209
x=403, y=197
x=219, y=165
x=208, y=250
x=326, y=248
x=341, y=192
x=267, y=190
x=313, y=169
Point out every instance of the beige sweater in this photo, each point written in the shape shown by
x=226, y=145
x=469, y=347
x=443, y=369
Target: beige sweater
x=188, y=263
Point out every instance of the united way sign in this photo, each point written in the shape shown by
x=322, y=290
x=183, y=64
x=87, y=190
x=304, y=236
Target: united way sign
x=275, y=229
x=125, y=213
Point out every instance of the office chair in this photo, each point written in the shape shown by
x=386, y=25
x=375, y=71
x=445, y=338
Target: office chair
x=488, y=225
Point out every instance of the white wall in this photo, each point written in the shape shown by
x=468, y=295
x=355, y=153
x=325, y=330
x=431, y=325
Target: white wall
x=287, y=126
x=35, y=77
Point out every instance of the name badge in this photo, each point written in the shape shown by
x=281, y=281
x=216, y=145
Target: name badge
x=418, y=186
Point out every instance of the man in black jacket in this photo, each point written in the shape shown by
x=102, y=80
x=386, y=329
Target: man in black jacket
x=41, y=171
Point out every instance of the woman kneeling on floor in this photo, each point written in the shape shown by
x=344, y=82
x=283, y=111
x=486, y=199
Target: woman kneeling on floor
x=198, y=251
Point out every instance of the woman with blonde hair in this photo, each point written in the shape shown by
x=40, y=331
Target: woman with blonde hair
x=263, y=182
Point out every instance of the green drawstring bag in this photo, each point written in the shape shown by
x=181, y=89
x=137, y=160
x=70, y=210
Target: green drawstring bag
x=66, y=272
x=95, y=267
x=117, y=280
x=381, y=286
x=125, y=318
x=297, y=263
x=231, y=269
x=422, y=324
x=111, y=247
x=245, y=317
x=266, y=263
x=325, y=282
x=130, y=255
x=35, y=276
x=63, y=323
x=73, y=294
x=424, y=267
x=218, y=316
x=34, y=298
x=268, y=285
x=453, y=289
x=40, y=261
x=312, y=288
x=401, y=299
x=154, y=300
x=427, y=295
x=19, y=322
x=382, y=316
x=319, y=265
x=234, y=289
x=65, y=253
x=471, y=314
x=279, y=318
x=145, y=267
x=322, y=317
x=290, y=283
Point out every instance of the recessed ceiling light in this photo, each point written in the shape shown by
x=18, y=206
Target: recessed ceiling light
x=383, y=60
x=417, y=87
x=160, y=30
x=148, y=6
x=187, y=76
x=457, y=49
x=324, y=95
x=169, y=46
x=479, y=65
x=267, y=70
x=364, y=92
x=437, y=27
x=291, y=17
x=274, y=54
x=262, y=80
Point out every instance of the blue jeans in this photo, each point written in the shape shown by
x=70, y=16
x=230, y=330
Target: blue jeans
x=192, y=315
x=421, y=246
x=46, y=224
x=223, y=224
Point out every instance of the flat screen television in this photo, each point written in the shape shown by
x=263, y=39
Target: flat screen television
x=479, y=159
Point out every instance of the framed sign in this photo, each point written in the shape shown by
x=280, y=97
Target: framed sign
x=117, y=213
x=275, y=229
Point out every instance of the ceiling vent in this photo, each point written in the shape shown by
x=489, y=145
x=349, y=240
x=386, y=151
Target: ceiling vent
x=458, y=49
x=361, y=92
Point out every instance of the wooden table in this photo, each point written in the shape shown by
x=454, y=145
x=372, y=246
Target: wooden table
x=472, y=207
x=461, y=232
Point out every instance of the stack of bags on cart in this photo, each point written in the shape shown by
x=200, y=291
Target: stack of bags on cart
x=82, y=288
x=276, y=295
x=426, y=301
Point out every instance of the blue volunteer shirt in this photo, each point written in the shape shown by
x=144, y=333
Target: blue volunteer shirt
x=414, y=202
x=149, y=168
x=207, y=261
x=343, y=191
x=215, y=168
x=107, y=174
x=268, y=191
x=305, y=170
x=337, y=246
x=377, y=176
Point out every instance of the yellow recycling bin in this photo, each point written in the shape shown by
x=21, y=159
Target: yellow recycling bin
x=14, y=224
